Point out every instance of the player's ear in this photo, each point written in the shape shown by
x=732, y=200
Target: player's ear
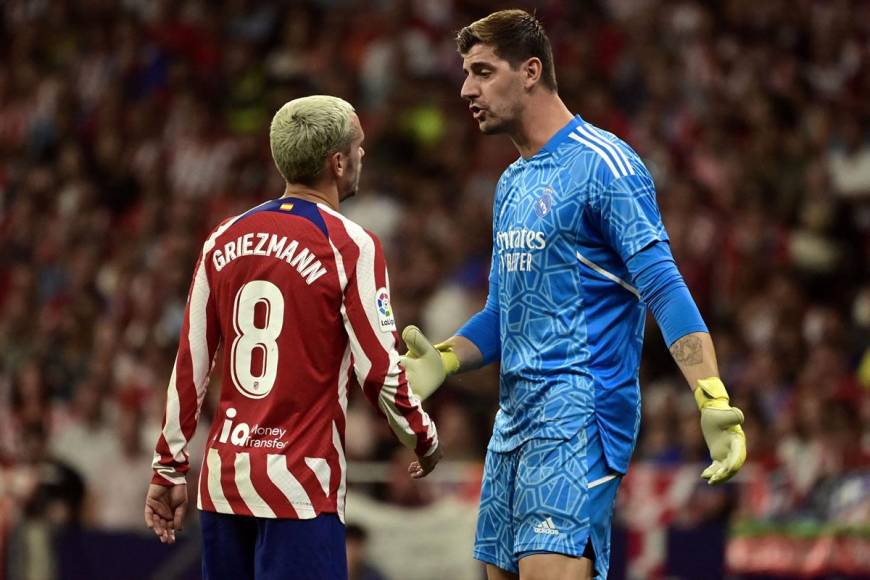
x=337, y=163
x=531, y=70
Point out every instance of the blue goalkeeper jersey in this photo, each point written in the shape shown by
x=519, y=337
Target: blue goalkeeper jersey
x=565, y=223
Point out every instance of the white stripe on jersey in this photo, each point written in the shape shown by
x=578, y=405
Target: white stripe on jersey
x=342, y=466
x=598, y=150
x=608, y=275
x=345, y=360
x=321, y=470
x=173, y=413
x=600, y=481
x=249, y=495
x=276, y=467
x=599, y=133
x=339, y=265
x=343, y=377
x=215, y=491
x=616, y=152
x=197, y=336
x=199, y=490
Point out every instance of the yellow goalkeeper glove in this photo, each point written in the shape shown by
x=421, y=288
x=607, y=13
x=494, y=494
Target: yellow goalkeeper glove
x=720, y=423
x=426, y=365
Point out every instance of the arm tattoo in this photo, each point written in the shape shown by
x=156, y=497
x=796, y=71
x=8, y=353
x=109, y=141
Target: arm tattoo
x=688, y=351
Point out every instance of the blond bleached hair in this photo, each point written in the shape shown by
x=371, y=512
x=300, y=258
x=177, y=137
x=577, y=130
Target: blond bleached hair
x=305, y=131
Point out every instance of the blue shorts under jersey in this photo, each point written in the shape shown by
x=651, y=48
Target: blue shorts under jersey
x=547, y=496
x=248, y=548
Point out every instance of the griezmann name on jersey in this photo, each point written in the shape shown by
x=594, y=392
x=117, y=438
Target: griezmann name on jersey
x=298, y=296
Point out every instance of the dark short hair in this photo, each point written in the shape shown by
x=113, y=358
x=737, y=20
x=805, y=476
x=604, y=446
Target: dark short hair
x=515, y=36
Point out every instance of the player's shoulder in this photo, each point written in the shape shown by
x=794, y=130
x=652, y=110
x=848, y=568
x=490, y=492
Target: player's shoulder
x=506, y=179
x=510, y=172
x=601, y=157
x=220, y=230
x=343, y=230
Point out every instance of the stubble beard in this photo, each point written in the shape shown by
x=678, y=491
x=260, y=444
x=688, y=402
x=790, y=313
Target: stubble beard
x=502, y=125
x=351, y=190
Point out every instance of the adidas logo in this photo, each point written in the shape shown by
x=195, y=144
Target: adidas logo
x=547, y=527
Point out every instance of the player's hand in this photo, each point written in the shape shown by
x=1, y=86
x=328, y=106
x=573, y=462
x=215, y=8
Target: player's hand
x=164, y=510
x=721, y=425
x=425, y=365
x=424, y=465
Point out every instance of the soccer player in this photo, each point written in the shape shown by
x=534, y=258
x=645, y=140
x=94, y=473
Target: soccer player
x=579, y=254
x=298, y=296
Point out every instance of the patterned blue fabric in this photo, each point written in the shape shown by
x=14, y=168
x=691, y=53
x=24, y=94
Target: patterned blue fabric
x=537, y=499
x=571, y=324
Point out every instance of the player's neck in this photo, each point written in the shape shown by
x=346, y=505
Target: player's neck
x=328, y=197
x=542, y=118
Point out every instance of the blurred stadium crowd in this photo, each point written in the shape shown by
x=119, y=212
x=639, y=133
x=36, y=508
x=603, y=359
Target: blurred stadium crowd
x=128, y=129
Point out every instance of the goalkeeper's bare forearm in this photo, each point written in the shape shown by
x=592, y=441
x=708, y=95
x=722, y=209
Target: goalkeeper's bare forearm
x=696, y=357
x=467, y=354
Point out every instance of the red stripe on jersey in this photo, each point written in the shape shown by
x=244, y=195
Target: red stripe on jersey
x=165, y=454
x=268, y=490
x=228, y=483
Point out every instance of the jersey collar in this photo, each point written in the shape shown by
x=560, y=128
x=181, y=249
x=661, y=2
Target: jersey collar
x=560, y=137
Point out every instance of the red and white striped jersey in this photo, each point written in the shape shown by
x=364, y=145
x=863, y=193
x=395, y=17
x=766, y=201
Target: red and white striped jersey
x=299, y=297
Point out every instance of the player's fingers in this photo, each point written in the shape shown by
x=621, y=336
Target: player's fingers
x=178, y=520
x=159, y=508
x=732, y=463
x=159, y=527
x=733, y=457
x=417, y=343
x=165, y=532
x=711, y=469
x=409, y=337
x=444, y=346
x=720, y=476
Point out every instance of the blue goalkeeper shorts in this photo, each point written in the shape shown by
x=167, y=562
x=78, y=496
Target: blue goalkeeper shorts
x=547, y=496
x=248, y=548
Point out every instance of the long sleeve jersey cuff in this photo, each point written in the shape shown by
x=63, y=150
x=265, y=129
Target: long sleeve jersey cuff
x=483, y=330
x=168, y=477
x=665, y=293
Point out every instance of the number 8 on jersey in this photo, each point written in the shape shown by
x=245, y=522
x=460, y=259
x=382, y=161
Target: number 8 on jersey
x=250, y=337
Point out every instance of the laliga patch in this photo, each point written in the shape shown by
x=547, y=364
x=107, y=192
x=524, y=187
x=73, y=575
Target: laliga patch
x=386, y=321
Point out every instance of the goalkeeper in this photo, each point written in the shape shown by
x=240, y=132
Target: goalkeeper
x=579, y=255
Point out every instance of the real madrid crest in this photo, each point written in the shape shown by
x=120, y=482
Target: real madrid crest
x=545, y=202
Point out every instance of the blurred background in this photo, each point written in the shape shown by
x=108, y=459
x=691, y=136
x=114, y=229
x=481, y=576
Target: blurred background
x=129, y=128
